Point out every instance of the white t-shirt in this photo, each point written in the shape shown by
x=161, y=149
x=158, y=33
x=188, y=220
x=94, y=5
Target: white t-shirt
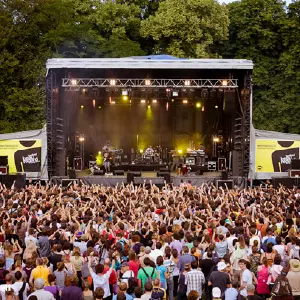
x=17, y=286
x=254, y=238
x=230, y=240
x=126, y=276
x=246, y=277
x=280, y=250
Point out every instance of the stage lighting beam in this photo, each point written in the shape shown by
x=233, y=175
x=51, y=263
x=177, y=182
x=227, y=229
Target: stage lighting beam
x=154, y=101
x=73, y=81
x=185, y=101
x=216, y=140
x=198, y=105
x=143, y=101
x=112, y=82
x=224, y=82
x=81, y=139
x=187, y=82
x=147, y=82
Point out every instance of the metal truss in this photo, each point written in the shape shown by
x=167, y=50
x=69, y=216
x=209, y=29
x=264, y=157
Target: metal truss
x=148, y=83
x=247, y=122
x=49, y=120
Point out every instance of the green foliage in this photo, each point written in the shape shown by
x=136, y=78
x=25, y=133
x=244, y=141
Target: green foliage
x=187, y=28
x=264, y=31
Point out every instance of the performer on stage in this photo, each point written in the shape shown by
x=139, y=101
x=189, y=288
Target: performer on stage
x=106, y=162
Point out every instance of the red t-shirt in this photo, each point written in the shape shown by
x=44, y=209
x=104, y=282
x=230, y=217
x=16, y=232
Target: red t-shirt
x=134, y=267
x=112, y=277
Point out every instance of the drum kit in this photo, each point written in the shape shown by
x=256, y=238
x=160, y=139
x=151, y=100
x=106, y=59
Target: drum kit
x=150, y=156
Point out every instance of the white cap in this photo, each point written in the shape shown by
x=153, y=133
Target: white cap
x=216, y=292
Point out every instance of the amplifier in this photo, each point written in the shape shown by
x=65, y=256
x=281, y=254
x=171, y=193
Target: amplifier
x=294, y=173
x=3, y=170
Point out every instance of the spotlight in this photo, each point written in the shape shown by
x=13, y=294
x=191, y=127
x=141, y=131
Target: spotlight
x=198, y=105
x=99, y=106
x=172, y=100
x=224, y=82
x=143, y=101
x=179, y=151
x=185, y=101
x=147, y=82
x=154, y=101
x=113, y=102
x=216, y=139
x=81, y=106
x=216, y=106
x=125, y=98
x=149, y=106
x=175, y=93
x=73, y=81
x=124, y=93
x=99, y=152
x=81, y=139
x=141, y=150
x=112, y=82
x=94, y=103
x=187, y=82
x=202, y=108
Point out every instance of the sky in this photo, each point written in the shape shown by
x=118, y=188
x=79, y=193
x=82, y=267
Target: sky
x=228, y=1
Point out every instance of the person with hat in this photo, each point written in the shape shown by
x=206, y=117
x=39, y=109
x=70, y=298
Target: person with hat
x=281, y=289
x=219, y=278
x=126, y=272
x=293, y=277
x=216, y=293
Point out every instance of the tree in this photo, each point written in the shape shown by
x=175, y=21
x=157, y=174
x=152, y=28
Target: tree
x=187, y=28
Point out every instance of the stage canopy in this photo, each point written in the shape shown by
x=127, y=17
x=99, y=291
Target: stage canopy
x=27, y=152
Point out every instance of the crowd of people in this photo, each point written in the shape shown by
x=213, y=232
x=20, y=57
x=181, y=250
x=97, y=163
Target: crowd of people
x=148, y=243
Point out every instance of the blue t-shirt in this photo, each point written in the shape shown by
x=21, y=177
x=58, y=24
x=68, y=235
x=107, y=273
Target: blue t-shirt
x=231, y=294
x=162, y=269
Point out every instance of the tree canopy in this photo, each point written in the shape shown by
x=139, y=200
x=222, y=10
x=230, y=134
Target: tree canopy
x=265, y=31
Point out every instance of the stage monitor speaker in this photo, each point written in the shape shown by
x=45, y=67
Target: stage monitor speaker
x=119, y=172
x=224, y=175
x=66, y=182
x=295, y=164
x=19, y=179
x=200, y=172
x=130, y=177
x=98, y=172
x=224, y=183
x=165, y=175
x=72, y=174
x=137, y=174
x=3, y=160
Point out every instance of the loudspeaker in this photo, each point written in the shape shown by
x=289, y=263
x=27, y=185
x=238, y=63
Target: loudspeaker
x=199, y=172
x=66, y=182
x=164, y=170
x=137, y=174
x=72, y=174
x=286, y=182
x=119, y=172
x=130, y=177
x=224, y=183
x=237, y=163
x=3, y=160
x=98, y=172
x=8, y=180
x=165, y=175
x=224, y=175
x=229, y=98
x=295, y=164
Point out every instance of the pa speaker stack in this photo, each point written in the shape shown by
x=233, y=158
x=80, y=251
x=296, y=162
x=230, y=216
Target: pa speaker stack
x=131, y=175
x=294, y=172
x=119, y=172
x=98, y=172
x=165, y=175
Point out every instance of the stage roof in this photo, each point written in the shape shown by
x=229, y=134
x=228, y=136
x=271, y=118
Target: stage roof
x=149, y=62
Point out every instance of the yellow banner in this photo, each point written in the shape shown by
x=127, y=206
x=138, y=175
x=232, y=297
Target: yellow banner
x=23, y=155
x=275, y=156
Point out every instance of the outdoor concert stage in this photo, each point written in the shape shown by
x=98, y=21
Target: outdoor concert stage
x=190, y=112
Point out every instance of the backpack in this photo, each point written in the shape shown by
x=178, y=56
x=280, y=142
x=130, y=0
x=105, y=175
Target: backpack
x=149, y=278
x=157, y=294
x=21, y=291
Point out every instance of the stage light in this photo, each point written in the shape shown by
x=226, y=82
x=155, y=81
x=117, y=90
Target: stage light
x=94, y=103
x=125, y=98
x=216, y=139
x=198, y=105
x=167, y=106
x=187, y=82
x=149, y=106
x=81, y=139
x=112, y=82
x=224, y=82
x=73, y=81
x=113, y=102
x=124, y=93
x=179, y=151
x=202, y=108
x=81, y=106
x=172, y=100
x=99, y=106
x=216, y=106
x=185, y=101
x=141, y=151
x=154, y=101
x=175, y=93
x=99, y=152
x=147, y=82
x=143, y=101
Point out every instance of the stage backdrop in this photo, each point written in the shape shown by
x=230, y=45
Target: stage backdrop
x=27, y=152
x=275, y=155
